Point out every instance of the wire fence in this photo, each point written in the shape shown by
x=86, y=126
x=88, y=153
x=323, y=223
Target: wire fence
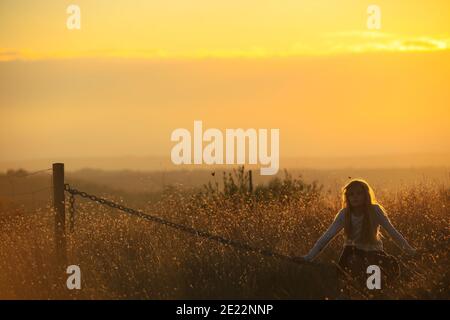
x=180, y=227
x=23, y=174
x=72, y=192
x=19, y=189
x=351, y=282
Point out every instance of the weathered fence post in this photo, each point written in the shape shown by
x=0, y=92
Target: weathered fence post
x=60, y=215
x=250, y=182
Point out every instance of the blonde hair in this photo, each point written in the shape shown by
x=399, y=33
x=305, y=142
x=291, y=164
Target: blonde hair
x=368, y=236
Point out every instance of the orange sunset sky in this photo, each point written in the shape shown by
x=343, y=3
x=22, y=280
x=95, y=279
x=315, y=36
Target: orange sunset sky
x=137, y=70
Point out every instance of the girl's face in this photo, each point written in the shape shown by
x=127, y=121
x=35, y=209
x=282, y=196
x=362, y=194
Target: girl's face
x=356, y=196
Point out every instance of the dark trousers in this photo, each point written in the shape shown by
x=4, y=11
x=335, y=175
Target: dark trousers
x=355, y=261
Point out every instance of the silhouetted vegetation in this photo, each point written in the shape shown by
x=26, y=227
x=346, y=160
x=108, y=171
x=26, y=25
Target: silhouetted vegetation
x=124, y=257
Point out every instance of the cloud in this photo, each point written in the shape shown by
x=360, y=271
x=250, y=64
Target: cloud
x=353, y=41
x=10, y=54
x=425, y=44
x=403, y=45
x=374, y=41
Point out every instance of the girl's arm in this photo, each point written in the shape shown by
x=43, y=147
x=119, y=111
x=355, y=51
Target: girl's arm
x=384, y=221
x=332, y=231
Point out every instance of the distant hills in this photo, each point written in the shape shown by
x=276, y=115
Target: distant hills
x=158, y=163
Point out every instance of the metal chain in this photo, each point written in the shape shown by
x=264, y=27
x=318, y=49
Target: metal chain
x=190, y=230
x=199, y=233
x=72, y=212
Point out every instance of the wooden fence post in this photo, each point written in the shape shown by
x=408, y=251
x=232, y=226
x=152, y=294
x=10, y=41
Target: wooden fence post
x=60, y=215
x=250, y=182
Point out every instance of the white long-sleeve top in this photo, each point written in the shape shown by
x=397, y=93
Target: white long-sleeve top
x=379, y=219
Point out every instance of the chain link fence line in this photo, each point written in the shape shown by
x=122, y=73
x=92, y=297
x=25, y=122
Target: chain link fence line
x=180, y=227
x=198, y=233
x=59, y=207
x=60, y=188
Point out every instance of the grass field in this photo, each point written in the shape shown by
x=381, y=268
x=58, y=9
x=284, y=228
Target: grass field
x=123, y=257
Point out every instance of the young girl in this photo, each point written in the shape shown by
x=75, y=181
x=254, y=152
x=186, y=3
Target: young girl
x=361, y=218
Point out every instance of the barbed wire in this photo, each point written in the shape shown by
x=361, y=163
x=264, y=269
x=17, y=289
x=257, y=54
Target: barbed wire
x=199, y=233
x=25, y=175
x=13, y=184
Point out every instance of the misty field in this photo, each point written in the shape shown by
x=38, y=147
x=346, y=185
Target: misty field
x=124, y=257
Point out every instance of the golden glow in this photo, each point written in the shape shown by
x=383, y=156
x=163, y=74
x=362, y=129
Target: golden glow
x=136, y=71
x=232, y=28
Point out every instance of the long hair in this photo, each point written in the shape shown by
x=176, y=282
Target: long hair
x=368, y=236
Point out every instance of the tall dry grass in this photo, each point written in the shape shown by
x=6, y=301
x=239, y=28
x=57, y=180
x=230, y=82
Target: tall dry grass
x=123, y=257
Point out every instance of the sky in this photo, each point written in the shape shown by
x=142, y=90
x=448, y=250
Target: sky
x=137, y=70
x=199, y=28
